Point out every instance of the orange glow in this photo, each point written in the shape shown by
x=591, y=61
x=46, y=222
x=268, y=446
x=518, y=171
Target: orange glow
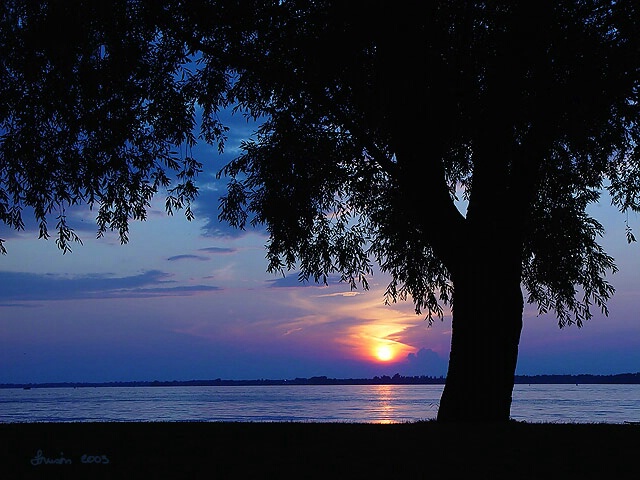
x=375, y=333
x=377, y=342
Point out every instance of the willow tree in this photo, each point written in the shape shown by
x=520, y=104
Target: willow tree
x=376, y=117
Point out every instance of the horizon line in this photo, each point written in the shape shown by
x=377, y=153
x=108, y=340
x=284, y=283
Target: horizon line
x=628, y=377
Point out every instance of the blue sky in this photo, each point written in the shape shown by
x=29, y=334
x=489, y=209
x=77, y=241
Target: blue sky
x=192, y=300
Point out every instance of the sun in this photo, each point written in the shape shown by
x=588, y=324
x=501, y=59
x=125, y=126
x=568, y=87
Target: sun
x=384, y=353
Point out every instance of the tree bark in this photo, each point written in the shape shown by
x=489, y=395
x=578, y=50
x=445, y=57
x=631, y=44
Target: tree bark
x=487, y=322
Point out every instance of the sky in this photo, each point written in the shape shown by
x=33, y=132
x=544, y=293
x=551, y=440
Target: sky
x=192, y=300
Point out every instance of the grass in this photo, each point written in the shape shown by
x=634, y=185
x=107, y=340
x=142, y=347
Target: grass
x=230, y=450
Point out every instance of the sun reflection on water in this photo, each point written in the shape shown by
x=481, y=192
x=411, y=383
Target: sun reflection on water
x=384, y=409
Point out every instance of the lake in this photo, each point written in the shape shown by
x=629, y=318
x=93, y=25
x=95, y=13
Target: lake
x=306, y=403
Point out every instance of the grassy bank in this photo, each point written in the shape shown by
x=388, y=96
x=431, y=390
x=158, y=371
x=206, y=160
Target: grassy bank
x=318, y=450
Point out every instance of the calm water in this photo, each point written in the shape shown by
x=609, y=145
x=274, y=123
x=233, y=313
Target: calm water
x=331, y=403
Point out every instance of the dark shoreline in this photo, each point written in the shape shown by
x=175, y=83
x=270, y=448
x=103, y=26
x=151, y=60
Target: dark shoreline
x=317, y=450
x=582, y=379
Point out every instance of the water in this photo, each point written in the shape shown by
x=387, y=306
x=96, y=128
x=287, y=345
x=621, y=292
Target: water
x=306, y=403
x=576, y=403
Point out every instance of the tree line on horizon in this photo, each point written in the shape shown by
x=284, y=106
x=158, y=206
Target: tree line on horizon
x=397, y=379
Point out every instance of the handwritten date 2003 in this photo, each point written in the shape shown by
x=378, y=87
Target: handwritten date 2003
x=41, y=459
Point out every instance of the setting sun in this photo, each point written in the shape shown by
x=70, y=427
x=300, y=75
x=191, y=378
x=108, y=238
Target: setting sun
x=384, y=353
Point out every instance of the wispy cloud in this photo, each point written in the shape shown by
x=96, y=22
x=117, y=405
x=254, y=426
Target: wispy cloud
x=342, y=294
x=291, y=280
x=218, y=250
x=21, y=286
x=188, y=257
x=292, y=330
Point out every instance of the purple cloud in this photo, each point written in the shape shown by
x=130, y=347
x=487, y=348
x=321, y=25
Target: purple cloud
x=21, y=286
x=188, y=257
x=218, y=250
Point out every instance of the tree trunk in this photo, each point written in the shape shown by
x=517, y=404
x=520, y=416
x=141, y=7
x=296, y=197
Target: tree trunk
x=487, y=321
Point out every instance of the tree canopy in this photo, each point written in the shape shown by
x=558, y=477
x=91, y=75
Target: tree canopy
x=378, y=116
x=383, y=127
x=96, y=100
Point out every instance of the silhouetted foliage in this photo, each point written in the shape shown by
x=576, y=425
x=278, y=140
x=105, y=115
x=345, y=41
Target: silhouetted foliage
x=378, y=116
x=95, y=100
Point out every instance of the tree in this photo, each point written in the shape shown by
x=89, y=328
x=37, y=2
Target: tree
x=94, y=106
x=376, y=116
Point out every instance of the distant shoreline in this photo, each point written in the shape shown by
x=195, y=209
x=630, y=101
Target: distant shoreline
x=586, y=379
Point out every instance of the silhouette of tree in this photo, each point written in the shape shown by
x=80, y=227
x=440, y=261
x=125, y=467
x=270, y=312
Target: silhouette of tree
x=378, y=116
x=94, y=104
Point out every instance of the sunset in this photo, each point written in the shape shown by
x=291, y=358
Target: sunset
x=384, y=353
x=177, y=303
x=285, y=239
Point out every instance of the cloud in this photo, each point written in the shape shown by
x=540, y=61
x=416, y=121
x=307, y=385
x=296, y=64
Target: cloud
x=342, y=294
x=10, y=233
x=218, y=250
x=188, y=257
x=292, y=330
x=203, y=258
x=425, y=362
x=18, y=305
x=172, y=291
x=21, y=286
x=291, y=280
